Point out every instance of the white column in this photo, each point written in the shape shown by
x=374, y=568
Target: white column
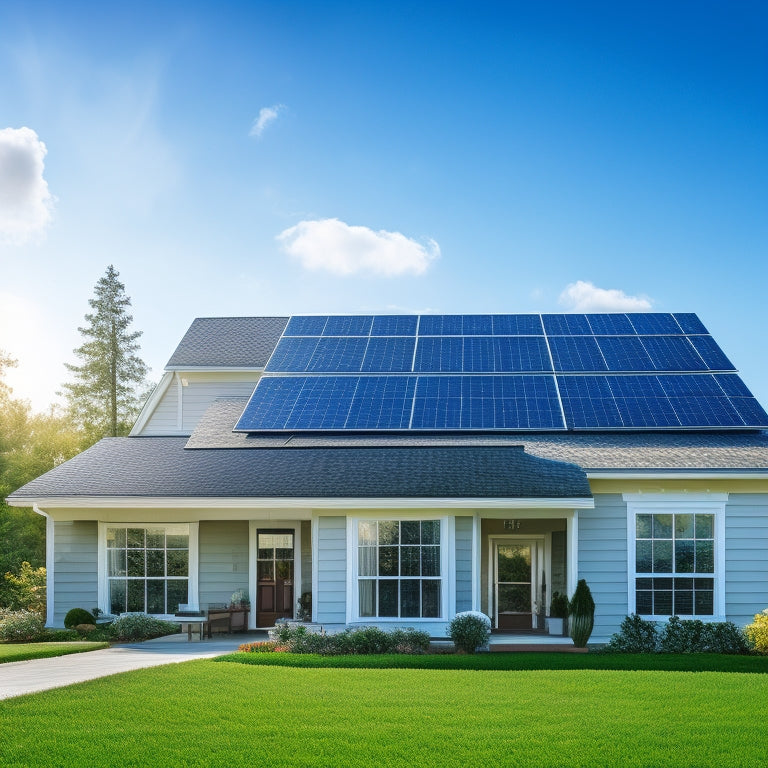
x=572, y=545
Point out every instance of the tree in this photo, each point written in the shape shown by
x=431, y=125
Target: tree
x=105, y=397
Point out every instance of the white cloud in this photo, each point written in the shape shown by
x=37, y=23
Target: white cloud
x=336, y=247
x=266, y=116
x=583, y=296
x=25, y=202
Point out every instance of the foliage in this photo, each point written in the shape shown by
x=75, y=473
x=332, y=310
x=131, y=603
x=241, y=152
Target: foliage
x=582, y=611
x=361, y=640
x=635, y=635
x=304, y=606
x=469, y=630
x=262, y=646
x=757, y=632
x=240, y=597
x=20, y=626
x=724, y=637
x=77, y=616
x=103, y=398
x=60, y=636
x=139, y=626
x=46, y=649
x=558, y=606
x=27, y=589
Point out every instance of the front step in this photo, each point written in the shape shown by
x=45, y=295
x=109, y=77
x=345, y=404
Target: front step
x=535, y=648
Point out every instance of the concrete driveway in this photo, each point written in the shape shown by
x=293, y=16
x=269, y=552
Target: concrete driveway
x=20, y=677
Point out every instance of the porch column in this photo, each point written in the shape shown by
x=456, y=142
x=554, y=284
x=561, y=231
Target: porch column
x=572, y=547
x=477, y=545
x=252, y=580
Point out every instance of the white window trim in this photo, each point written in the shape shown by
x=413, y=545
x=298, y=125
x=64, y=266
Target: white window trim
x=447, y=570
x=676, y=503
x=194, y=559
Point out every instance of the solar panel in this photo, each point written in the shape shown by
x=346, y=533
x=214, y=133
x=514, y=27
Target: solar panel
x=477, y=325
x=624, y=353
x=647, y=323
x=292, y=354
x=505, y=354
x=348, y=325
x=610, y=325
x=576, y=353
x=441, y=325
x=588, y=402
x=305, y=326
x=672, y=353
x=393, y=354
x=711, y=354
x=566, y=325
x=690, y=323
x=338, y=354
x=435, y=354
x=394, y=325
x=382, y=402
x=517, y=325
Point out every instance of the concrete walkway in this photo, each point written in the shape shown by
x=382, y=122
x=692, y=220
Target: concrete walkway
x=20, y=677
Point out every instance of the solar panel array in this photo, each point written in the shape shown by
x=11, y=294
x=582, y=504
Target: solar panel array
x=499, y=372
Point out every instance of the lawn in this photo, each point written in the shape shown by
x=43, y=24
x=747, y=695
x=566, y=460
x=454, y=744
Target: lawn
x=24, y=651
x=208, y=713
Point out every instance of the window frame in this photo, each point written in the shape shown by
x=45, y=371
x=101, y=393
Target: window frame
x=447, y=568
x=676, y=504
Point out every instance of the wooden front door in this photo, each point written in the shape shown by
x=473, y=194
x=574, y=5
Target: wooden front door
x=514, y=569
x=274, y=597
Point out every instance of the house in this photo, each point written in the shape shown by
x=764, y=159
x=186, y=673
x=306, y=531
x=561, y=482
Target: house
x=400, y=469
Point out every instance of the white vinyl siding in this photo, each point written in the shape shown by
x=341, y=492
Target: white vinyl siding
x=223, y=560
x=76, y=571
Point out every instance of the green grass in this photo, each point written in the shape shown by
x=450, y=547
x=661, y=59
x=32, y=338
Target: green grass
x=24, y=651
x=204, y=713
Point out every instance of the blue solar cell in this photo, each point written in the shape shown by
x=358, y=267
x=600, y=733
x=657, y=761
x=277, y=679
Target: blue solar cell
x=517, y=325
x=389, y=353
x=477, y=325
x=566, y=325
x=437, y=403
x=348, y=325
x=305, y=325
x=672, y=353
x=479, y=355
x=394, y=325
x=338, y=354
x=690, y=323
x=625, y=353
x=614, y=324
x=711, y=354
x=292, y=354
x=654, y=323
x=732, y=385
x=441, y=325
x=382, y=402
x=642, y=402
x=588, y=402
x=271, y=404
x=690, y=385
x=517, y=353
x=751, y=412
x=323, y=403
x=576, y=353
x=436, y=355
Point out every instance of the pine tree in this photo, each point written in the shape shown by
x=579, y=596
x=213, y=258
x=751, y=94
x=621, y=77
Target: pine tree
x=104, y=399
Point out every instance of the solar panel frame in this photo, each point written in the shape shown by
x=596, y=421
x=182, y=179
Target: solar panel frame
x=305, y=325
x=690, y=323
x=292, y=354
x=348, y=325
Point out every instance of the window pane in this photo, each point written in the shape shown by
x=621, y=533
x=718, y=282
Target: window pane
x=178, y=541
x=684, y=556
x=284, y=569
x=643, y=583
x=117, y=595
x=283, y=541
x=115, y=537
x=683, y=526
x=388, y=561
x=410, y=598
x=366, y=532
x=178, y=562
x=156, y=538
x=683, y=602
x=177, y=593
x=410, y=532
x=430, y=561
x=705, y=557
x=136, y=595
x=266, y=542
x=410, y=561
x=266, y=570
x=136, y=562
x=366, y=561
x=389, y=532
x=644, y=600
x=284, y=553
x=662, y=526
x=662, y=556
x=430, y=598
x=136, y=537
x=704, y=604
x=155, y=595
x=430, y=531
x=367, y=592
x=643, y=526
x=266, y=554
x=662, y=601
x=116, y=562
x=705, y=526
x=644, y=556
x=388, y=597
x=155, y=562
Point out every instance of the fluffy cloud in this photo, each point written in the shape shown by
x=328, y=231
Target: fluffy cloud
x=25, y=202
x=336, y=247
x=266, y=116
x=583, y=296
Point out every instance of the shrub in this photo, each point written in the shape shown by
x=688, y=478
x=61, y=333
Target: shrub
x=362, y=640
x=60, y=636
x=263, y=646
x=469, y=630
x=635, y=635
x=21, y=626
x=558, y=606
x=582, y=612
x=757, y=632
x=678, y=636
x=26, y=591
x=724, y=637
x=77, y=616
x=139, y=626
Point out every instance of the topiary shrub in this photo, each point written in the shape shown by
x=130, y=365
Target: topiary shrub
x=757, y=632
x=635, y=635
x=724, y=637
x=678, y=636
x=77, y=616
x=361, y=640
x=582, y=612
x=21, y=626
x=139, y=626
x=558, y=606
x=469, y=630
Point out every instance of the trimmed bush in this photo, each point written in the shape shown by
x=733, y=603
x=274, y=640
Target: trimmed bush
x=360, y=641
x=678, y=636
x=558, y=606
x=635, y=635
x=263, y=646
x=757, y=632
x=139, y=626
x=77, y=616
x=60, y=636
x=469, y=630
x=21, y=626
x=582, y=612
x=724, y=637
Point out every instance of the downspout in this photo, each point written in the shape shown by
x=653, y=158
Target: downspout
x=49, y=589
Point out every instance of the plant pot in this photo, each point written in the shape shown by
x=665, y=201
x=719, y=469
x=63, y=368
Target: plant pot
x=556, y=626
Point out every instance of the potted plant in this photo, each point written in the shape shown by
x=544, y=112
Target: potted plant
x=239, y=599
x=558, y=613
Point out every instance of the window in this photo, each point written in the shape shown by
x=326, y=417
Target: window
x=147, y=568
x=398, y=568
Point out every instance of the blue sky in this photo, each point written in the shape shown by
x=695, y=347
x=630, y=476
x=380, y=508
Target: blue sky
x=277, y=158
